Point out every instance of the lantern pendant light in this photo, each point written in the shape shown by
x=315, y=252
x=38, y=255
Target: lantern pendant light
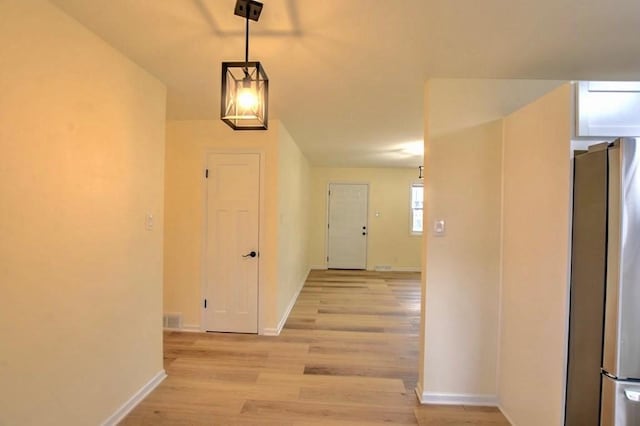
x=245, y=85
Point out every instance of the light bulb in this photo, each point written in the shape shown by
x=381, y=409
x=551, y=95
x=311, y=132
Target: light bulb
x=247, y=99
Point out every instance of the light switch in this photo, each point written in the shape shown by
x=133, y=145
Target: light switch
x=439, y=228
x=148, y=222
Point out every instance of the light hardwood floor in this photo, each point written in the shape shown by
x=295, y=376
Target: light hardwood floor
x=348, y=355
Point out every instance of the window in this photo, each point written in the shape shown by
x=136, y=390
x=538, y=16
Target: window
x=417, y=203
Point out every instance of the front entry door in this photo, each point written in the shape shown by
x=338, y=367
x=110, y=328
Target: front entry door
x=347, y=228
x=233, y=200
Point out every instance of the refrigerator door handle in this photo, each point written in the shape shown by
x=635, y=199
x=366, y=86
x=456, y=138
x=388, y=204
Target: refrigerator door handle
x=632, y=395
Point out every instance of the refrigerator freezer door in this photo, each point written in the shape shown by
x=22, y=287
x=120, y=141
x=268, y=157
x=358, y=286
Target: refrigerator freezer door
x=621, y=357
x=588, y=271
x=610, y=350
x=620, y=403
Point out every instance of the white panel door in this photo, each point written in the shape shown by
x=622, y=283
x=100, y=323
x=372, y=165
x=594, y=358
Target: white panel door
x=231, y=289
x=347, y=228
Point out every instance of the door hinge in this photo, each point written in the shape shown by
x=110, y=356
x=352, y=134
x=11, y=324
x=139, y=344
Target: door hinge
x=328, y=225
x=329, y=193
x=206, y=173
x=327, y=258
x=205, y=303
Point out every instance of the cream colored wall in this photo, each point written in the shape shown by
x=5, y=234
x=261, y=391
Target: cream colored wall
x=294, y=180
x=187, y=145
x=389, y=241
x=422, y=363
x=462, y=276
x=536, y=259
x=82, y=142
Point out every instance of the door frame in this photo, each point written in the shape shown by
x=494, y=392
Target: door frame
x=326, y=218
x=203, y=231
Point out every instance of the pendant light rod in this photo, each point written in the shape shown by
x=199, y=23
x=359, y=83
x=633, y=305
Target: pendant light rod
x=248, y=9
x=244, y=96
x=246, y=46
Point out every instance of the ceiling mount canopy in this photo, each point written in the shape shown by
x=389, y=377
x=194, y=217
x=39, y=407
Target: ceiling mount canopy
x=248, y=9
x=245, y=85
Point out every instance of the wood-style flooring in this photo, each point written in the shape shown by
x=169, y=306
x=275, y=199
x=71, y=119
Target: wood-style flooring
x=348, y=355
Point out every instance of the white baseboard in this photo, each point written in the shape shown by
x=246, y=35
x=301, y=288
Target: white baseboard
x=270, y=332
x=285, y=316
x=392, y=269
x=137, y=397
x=504, y=413
x=385, y=268
x=456, y=399
x=319, y=267
x=406, y=269
x=419, y=392
x=186, y=329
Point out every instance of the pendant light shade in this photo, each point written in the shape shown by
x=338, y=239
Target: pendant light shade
x=244, y=98
x=245, y=95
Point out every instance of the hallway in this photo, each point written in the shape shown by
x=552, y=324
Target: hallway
x=347, y=355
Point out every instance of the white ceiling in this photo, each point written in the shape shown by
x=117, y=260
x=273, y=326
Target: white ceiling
x=347, y=76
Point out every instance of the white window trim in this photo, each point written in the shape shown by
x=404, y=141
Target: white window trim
x=411, y=209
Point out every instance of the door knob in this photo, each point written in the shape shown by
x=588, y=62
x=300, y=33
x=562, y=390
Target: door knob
x=251, y=254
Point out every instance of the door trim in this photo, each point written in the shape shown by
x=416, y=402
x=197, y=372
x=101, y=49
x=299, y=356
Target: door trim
x=326, y=218
x=203, y=232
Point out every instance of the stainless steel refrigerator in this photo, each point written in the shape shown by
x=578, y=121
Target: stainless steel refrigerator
x=603, y=370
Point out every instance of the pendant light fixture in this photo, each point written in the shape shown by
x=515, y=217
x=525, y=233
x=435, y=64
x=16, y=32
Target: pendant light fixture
x=245, y=85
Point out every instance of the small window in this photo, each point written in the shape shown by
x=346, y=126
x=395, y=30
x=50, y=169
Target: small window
x=417, y=204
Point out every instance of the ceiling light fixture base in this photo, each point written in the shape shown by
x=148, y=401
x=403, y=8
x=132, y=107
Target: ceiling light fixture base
x=248, y=9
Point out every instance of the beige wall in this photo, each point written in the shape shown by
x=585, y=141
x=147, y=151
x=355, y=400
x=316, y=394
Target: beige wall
x=422, y=363
x=188, y=142
x=294, y=180
x=535, y=260
x=389, y=242
x=462, y=276
x=284, y=219
x=81, y=164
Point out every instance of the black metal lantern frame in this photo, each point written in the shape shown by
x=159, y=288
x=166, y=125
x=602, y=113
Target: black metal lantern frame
x=244, y=98
x=239, y=76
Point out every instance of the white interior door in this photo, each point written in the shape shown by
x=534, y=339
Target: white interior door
x=233, y=200
x=347, y=228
